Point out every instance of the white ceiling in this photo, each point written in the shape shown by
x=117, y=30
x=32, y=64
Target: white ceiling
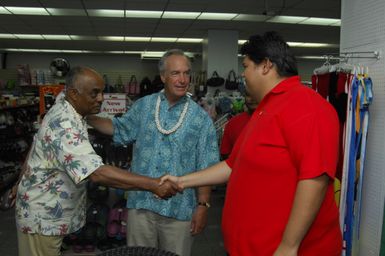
x=109, y=26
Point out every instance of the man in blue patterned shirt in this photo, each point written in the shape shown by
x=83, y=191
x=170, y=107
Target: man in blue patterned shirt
x=51, y=195
x=171, y=134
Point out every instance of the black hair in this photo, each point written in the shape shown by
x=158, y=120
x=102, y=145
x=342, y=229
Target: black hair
x=271, y=46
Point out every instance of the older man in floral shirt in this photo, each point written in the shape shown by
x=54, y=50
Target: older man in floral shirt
x=51, y=196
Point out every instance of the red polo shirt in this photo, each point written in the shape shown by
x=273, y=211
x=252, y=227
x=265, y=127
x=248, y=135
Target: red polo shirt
x=232, y=131
x=292, y=135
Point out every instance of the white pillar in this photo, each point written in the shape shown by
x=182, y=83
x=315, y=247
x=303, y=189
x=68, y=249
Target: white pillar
x=220, y=53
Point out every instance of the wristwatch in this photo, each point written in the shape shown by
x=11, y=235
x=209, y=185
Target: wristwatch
x=205, y=204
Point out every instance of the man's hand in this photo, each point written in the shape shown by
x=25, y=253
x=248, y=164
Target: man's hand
x=165, y=189
x=176, y=180
x=199, y=220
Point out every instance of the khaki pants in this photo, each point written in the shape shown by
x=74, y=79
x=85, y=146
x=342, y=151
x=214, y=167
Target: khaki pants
x=38, y=245
x=145, y=228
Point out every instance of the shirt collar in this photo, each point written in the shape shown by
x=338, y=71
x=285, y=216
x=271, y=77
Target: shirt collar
x=68, y=105
x=286, y=84
x=180, y=101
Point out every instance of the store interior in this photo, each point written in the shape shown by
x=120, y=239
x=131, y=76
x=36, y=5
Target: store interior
x=122, y=39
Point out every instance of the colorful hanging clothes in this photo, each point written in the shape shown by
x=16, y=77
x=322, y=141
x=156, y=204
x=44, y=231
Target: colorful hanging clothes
x=351, y=95
x=358, y=117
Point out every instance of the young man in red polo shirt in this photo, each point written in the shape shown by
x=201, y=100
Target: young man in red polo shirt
x=279, y=198
x=235, y=126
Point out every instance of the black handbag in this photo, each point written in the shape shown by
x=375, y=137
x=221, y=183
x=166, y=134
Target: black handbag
x=215, y=80
x=231, y=81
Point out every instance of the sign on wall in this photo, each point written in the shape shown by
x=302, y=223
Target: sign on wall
x=114, y=103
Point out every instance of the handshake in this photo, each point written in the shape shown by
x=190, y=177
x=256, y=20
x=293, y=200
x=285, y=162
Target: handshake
x=167, y=186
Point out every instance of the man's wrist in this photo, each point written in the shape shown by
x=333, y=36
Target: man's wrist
x=204, y=204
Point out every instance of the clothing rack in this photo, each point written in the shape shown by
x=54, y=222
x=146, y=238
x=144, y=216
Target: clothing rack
x=354, y=55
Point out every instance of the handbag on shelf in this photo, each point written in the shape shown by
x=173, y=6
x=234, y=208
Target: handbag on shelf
x=231, y=81
x=215, y=80
x=133, y=86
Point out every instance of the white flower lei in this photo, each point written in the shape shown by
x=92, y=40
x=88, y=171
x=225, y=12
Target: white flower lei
x=177, y=125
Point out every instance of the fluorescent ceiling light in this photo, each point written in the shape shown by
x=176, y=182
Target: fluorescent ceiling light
x=137, y=39
x=29, y=36
x=106, y=13
x=286, y=19
x=311, y=57
x=66, y=12
x=157, y=54
x=27, y=10
x=319, y=21
x=302, y=44
x=250, y=17
x=336, y=24
x=308, y=45
x=115, y=52
x=49, y=50
x=151, y=54
x=4, y=11
x=132, y=52
x=181, y=15
x=216, y=16
x=7, y=36
x=143, y=14
x=10, y=50
x=315, y=45
x=57, y=37
x=28, y=50
x=164, y=39
x=79, y=37
x=72, y=51
x=45, y=50
x=189, y=40
x=112, y=38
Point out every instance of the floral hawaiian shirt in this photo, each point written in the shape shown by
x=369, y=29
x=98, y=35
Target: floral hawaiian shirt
x=51, y=197
x=193, y=146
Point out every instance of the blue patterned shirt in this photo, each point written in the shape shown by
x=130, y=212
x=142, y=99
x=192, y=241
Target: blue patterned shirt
x=51, y=197
x=192, y=147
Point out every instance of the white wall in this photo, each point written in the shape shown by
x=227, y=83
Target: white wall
x=363, y=29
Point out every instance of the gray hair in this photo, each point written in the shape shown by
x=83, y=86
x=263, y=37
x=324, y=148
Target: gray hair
x=162, y=61
x=73, y=76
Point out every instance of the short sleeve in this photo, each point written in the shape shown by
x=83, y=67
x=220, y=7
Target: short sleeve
x=126, y=127
x=313, y=143
x=76, y=155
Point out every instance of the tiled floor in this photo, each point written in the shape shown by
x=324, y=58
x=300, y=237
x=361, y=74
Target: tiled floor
x=209, y=243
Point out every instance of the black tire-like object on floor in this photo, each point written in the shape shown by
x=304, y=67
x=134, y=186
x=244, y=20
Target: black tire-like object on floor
x=136, y=251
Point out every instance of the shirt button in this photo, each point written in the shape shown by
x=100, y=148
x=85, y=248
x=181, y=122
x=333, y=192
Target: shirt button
x=157, y=168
